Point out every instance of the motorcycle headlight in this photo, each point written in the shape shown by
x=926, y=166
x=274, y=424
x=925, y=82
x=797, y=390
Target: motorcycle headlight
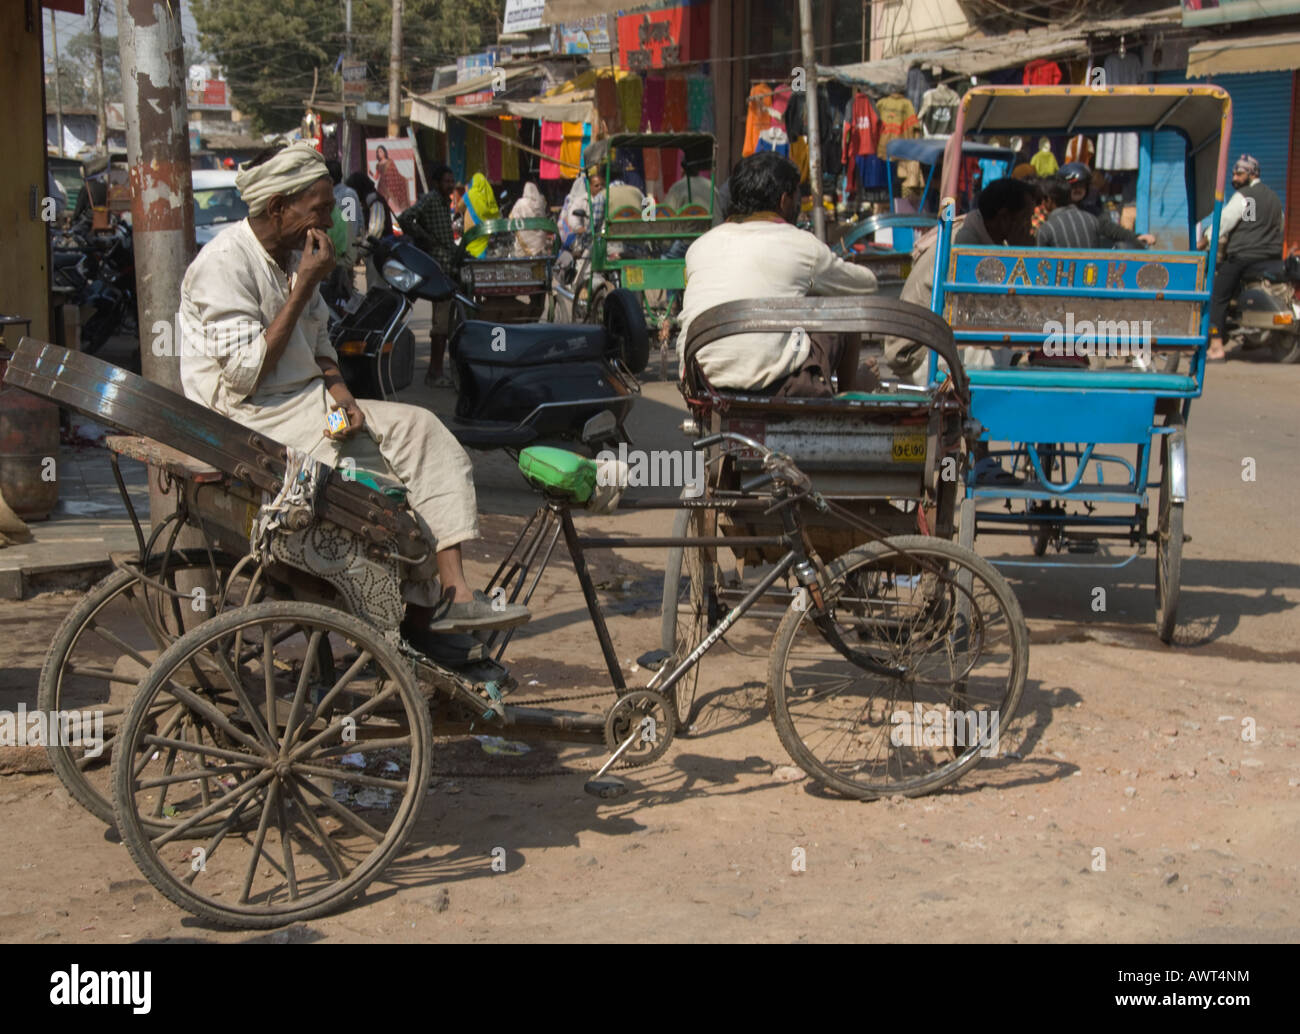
x=401, y=277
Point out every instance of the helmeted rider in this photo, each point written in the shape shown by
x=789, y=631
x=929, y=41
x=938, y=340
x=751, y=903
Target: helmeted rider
x=1083, y=197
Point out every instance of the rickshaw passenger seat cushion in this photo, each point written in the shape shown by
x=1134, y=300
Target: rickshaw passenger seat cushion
x=558, y=471
x=381, y=483
x=1126, y=380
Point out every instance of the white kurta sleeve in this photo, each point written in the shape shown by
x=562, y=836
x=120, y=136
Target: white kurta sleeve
x=832, y=275
x=319, y=313
x=222, y=324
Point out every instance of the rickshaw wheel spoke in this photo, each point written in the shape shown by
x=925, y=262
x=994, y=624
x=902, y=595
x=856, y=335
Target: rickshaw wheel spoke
x=313, y=823
x=950, y=626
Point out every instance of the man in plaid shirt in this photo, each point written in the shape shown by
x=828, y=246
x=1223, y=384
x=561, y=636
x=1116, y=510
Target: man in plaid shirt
x=428, y=224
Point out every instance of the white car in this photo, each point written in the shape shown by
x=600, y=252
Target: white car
x=217, y=203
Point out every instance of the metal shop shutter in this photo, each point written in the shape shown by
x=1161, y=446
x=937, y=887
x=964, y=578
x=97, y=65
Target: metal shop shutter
x=1261, y=125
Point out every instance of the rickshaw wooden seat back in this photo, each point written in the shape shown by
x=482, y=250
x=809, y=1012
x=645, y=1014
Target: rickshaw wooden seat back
x=134, y=406
x=867, y=316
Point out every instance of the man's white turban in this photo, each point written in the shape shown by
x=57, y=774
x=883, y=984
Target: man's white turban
x=293, y=169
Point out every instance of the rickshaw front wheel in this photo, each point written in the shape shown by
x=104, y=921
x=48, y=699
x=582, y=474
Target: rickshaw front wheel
x=1169, y=550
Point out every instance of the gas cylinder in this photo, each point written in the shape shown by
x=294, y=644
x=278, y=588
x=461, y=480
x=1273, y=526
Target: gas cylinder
x=29, y=450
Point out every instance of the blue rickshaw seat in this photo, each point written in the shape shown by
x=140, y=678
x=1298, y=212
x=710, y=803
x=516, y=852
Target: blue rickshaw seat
x=1126, y=380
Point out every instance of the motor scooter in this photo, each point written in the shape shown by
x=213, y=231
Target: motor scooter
x=1265, y=313
x=524, y=384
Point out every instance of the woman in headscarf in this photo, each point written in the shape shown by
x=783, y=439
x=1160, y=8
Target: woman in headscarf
x=531, y=205
x=478, y=206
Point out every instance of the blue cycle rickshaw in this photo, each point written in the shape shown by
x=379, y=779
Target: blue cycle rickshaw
x=1062, y=427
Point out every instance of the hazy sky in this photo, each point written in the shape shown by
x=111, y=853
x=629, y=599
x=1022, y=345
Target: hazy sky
x=71, y=24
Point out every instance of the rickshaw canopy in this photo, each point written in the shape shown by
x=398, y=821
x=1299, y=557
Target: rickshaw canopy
x=1201, y=113
x=929, y=150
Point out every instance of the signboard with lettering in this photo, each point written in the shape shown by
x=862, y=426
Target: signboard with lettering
x=657, y=39
x=354, y=81
x=587, y=36
x=471, y=66
x=523, y=15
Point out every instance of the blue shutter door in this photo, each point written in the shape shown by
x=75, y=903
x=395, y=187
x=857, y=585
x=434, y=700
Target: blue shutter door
x=1261, y=121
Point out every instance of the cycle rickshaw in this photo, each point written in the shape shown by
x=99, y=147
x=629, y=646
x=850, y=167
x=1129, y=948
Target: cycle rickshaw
x=271, y=732
x=1059, y=424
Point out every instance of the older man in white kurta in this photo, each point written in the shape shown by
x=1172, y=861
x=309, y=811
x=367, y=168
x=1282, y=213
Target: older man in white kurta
x=236, y=304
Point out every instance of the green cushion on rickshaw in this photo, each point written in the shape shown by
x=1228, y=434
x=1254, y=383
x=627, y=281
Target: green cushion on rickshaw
x=558, y=471
x=381, y=483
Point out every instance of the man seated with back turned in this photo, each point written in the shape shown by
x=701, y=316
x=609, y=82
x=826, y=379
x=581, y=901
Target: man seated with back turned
x=759, y=253
x=256, y=350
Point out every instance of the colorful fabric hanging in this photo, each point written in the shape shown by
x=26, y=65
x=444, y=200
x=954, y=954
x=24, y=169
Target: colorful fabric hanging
x=571, y=149
x=456, y=149
x=799, y=155
x=607, y=106
x=492, y=151
x=509, y=152
x=586, y=139
x=654, y=178
x=670, y=165
x=699, y=104
x=675, y=104
x=552, y=139
x=757, y=117
x=630, y=90
x=475, y=151
x=653, y=102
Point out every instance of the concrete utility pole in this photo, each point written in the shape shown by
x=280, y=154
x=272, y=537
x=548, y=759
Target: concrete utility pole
x=345, y=141
x=162, y=194
x=395, y=73
x=58, y=93
x=814, y=129
x=97, y=42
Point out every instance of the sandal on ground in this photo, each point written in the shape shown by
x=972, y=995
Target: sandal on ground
x=479, y=614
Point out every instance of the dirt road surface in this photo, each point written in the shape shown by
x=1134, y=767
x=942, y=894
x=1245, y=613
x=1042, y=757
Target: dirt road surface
x=1155, y=795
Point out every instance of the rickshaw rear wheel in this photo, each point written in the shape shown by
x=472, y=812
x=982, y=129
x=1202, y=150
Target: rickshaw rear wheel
x=687, y=609
x=954, y=632
x=321, y=781
x=99, y=623
x=1169, y=550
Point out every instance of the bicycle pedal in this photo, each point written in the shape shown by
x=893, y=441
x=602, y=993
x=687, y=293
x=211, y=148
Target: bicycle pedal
x=606, y=787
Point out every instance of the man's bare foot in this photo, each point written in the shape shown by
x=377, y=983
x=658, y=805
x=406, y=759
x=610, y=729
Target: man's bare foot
x=1215, y=352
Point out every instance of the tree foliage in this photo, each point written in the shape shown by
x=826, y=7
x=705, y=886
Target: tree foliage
x=269, y=51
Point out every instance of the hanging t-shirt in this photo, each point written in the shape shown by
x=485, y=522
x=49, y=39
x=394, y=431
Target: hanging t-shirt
x=773, y=139
x=897, y=119
x=1119, y=150
x=918, y=84
x=1080, y=149
x=938, y=114
x=552, y=139
x=861, y=129
x=757, y=116
x=1042, y=73
x=1044, y=163
x=991, y=169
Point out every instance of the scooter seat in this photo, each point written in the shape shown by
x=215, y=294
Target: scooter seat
x=1271, y=270
x=528, y=344
x=66, y=258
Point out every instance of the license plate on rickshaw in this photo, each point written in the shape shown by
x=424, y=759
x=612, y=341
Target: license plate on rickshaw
x=908, y=446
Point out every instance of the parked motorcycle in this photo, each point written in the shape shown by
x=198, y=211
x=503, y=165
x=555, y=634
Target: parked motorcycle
x=97, y=272
x=1265, y=314
x=522, y=384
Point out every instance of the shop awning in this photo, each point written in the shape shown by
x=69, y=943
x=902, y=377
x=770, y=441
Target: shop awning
x=1244, y=54
x=980, y=55
x=434, y=115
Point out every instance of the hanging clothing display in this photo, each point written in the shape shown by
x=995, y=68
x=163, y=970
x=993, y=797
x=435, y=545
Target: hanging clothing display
x=918, y=85
x=699, y=104
x=1119, y=150
x=938, y=112
x=475, y=151
x=1042, y=73
x=456, y=149
x=757, y=116
x=492, y=152
x=653, y=102
x=675, y=104
x=1044, y=161
x=799, y=155
x=1080, y=149
x=897, y=119
x=991, y=169
x=607, y=106
x=861, y=128
x=869, y=173
x=509, y=152
x=630, y=89
x=571, y=149
x=653, y=172
x=773, y=138
x=552, y=139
